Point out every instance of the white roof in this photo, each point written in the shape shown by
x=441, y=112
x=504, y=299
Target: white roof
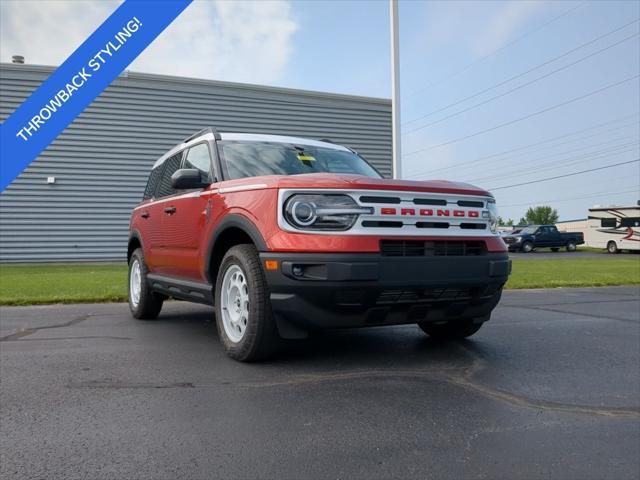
x=256, y=137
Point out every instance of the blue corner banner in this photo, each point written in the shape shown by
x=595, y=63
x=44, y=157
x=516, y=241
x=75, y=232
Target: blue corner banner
x=79, y=80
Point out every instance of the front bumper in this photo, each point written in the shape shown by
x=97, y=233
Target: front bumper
x=351, y=290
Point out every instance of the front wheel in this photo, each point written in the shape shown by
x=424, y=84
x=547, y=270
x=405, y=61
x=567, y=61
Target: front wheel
x=527, y=247
x=144, y=303
x=243, y=308
x=451, y=330
x=612, y=247
x=571, y=247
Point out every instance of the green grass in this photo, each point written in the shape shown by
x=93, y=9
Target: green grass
x=42, y=284
x=45, y=284
x=584, y=248
x=575, y=272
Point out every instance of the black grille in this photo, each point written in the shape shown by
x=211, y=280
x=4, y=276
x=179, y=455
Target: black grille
x=371, y=199
x=424, y=296
x=422, y=248
x=429, y=201
x=432, y=224
x=470, y=203
x=381, y=224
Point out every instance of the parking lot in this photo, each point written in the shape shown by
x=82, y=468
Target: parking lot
x=548, y=389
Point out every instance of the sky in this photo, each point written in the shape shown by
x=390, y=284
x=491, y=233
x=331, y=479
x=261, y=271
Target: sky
x=493, y=93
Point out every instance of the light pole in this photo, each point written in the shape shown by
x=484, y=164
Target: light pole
x=395, y=90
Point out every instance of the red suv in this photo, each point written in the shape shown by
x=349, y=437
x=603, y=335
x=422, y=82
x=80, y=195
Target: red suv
x=284, y=235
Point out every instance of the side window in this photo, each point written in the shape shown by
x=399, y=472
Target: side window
x=198, y=158
x=170, y=166
x=608, y=222
x=630, y=222
x=154, y=177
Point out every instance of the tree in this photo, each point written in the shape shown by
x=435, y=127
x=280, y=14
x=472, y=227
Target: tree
x=542, y=215
x=502, y=223
x=522, y=222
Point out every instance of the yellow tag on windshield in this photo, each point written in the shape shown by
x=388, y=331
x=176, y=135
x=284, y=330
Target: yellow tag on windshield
x=306, y=158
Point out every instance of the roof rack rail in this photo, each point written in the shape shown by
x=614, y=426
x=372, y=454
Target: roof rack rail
x=204, y=131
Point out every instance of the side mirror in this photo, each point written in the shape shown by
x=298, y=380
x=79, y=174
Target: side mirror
x=187, y=178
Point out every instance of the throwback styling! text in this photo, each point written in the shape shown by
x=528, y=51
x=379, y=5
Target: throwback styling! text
x=79, y=79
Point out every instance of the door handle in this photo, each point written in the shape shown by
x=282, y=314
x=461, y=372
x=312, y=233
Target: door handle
x=170, y=210
x=144, y=214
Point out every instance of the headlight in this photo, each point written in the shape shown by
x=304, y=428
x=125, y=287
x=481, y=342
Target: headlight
x=493, y=215
x=322, y=212
x=518, y=239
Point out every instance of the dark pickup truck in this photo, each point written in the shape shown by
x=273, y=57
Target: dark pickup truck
x=542, y=236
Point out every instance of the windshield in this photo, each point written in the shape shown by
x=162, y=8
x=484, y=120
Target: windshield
x=529, y=230
x=252, y=159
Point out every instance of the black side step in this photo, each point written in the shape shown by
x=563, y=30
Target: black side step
x=182, y=289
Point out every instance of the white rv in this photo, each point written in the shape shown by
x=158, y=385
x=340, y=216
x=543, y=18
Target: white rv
x=614, y=228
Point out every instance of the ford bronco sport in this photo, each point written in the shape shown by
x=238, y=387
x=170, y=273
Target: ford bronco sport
x=284, y=235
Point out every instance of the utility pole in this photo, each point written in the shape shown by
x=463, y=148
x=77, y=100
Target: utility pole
x=395, y=90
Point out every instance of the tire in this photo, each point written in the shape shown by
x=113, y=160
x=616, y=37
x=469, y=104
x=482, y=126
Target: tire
x=527, y=247
x=144, y=303
x=244, y=319
x=571, y=247
x=555, y=249
x=612, y=247
x=452, y=330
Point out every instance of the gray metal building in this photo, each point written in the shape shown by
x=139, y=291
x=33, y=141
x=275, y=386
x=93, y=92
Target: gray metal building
x=99, y=164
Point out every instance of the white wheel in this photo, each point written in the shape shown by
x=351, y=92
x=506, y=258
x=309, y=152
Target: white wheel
x=135, y=283
x=234, y=303
x=244, y=320
x=144, y=303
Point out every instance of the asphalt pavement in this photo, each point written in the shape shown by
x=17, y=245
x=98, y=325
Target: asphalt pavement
x=549, y=388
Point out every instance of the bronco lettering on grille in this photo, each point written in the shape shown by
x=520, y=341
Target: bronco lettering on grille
x=429, y=212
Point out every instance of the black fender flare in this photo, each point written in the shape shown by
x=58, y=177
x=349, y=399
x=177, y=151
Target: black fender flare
x=134, y=234
x=233, y=221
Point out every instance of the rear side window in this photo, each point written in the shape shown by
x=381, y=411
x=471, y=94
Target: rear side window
x=170, y=166
x=152, y=183
x=630, y=222
x=198, y=158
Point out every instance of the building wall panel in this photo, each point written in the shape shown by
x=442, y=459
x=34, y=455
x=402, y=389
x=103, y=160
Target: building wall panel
x=101, y=161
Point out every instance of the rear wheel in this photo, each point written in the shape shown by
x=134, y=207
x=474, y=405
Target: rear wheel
x=243, y=309
x=571, y=247
x=527, y=247
x=451, y=330
x=612, y=247
x=144, y=303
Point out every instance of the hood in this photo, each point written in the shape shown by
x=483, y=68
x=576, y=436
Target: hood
x=513, y=238
x=335, y=180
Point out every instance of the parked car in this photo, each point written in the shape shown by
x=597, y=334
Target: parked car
x=284, y=235
x=543, y=236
